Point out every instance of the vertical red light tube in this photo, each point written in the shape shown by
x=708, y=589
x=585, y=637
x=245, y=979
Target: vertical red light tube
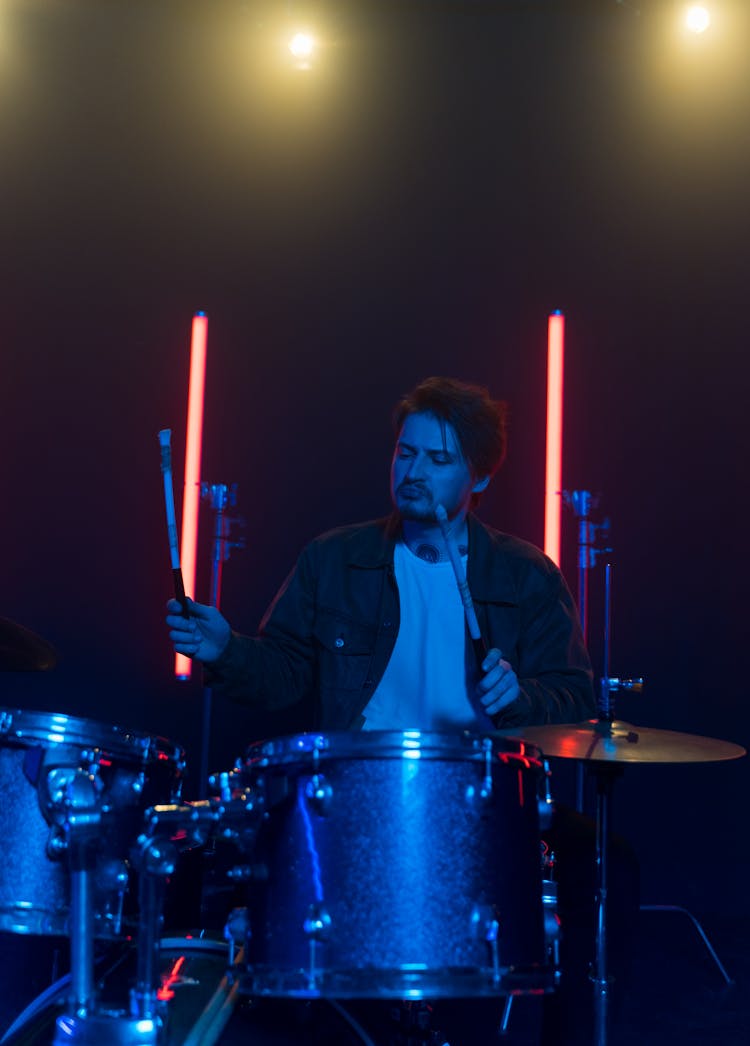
x=553, y=468
x=193, y=444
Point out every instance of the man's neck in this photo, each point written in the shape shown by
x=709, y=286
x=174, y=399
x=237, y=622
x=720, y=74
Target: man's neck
x=425, y=539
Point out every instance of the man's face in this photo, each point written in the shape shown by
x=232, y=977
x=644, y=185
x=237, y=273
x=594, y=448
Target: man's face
x=429, y=468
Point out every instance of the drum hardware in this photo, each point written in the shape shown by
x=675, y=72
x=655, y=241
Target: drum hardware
x=590, y=534
x=546, y=805
x=679, y=910
x=168, y=830
x=606, y=747
x=57, y=772
x=236, y=932
x=79, y=789
x=552, y=928
x=319, y=794
x=154, y=858
x=197, y=999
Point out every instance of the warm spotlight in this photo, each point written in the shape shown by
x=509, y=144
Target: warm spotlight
x=697, y=19
x=302, y=46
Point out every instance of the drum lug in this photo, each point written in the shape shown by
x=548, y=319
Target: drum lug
x=484, y=922
x=56, y=786
x=551, y=924
x=317, y=925
x=57, y=843
x=546, y=803
x=157, y=857
x=243, y=873
x=491, y=935
x=237, y=931
x=319, y=794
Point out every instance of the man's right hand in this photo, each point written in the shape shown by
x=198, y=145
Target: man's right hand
x=204, y=635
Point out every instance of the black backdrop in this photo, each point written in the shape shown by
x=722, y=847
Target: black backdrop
x=416, y=203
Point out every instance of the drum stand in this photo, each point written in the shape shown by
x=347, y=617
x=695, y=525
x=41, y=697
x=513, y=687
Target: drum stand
x=87, y=1023
x=605, y=774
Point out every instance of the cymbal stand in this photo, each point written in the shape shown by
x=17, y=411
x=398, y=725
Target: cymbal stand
x=605, y=774
x=582, y=502
x=221, y=497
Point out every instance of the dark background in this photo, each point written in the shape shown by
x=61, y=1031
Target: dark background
x=416, y=203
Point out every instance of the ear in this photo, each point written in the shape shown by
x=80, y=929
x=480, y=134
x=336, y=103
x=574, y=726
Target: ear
x=480, y=485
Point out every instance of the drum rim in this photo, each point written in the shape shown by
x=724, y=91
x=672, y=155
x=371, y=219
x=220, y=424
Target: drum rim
x=27, y=727
x=291, y=749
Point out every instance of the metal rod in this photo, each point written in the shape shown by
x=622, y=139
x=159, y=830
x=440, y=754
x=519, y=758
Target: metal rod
x=81, y=939
x=219, y=493
x=150, y=896
x=601, y=980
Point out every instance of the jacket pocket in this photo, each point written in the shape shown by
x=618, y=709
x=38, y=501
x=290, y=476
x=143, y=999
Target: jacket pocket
x=345, y=649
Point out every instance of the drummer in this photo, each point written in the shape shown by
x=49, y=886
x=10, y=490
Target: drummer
x=368, y=630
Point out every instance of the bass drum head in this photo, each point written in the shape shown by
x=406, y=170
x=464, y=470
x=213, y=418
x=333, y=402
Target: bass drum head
x=194, y=986
x=193, y=973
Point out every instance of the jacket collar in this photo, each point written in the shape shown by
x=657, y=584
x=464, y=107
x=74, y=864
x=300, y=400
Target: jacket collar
x=488, y=572
x=372, y=545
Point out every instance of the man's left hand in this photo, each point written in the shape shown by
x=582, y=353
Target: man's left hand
x=498, y=687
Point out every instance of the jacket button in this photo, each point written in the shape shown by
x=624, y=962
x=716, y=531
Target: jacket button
x=387, y=624
x=339, y=642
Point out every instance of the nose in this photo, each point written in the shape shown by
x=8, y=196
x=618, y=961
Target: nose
x=415, y=469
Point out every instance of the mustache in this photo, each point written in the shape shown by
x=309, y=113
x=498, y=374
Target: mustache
x=408, y=485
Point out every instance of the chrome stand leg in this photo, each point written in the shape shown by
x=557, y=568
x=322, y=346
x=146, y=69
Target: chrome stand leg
x=703, y=935
x=81, y=940
x=505, y=1019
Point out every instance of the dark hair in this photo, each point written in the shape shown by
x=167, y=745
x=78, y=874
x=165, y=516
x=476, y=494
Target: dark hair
x=478, y=421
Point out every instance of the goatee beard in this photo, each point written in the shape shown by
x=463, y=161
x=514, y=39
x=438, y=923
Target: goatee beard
x=415, y=515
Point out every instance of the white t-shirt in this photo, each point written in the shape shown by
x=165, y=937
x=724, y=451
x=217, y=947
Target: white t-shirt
x=429, y=681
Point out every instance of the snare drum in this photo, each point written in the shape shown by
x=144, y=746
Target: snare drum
x=395, y=865
x=40, y=753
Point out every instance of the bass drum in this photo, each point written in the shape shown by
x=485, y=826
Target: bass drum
x=40, y=755
x=202, y=1006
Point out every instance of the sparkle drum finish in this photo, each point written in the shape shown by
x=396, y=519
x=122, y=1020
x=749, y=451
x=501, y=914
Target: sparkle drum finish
x=56, y=770
x=395, y=865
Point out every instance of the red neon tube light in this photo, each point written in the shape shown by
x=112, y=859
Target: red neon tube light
x=192, y=494
x=553, y=469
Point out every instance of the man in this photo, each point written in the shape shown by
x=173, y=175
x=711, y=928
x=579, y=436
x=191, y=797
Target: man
x=368, y=630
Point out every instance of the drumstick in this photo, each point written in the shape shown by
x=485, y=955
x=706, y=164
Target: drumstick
x=165, y=442
x=477, y=640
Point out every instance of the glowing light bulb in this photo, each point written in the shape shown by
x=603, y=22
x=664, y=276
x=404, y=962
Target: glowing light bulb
x=302, y=45
x=697, y=19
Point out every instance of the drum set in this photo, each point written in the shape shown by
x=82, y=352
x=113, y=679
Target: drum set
x=397, y=865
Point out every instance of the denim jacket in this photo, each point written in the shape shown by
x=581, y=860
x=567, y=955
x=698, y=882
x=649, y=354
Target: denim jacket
x=329, y=633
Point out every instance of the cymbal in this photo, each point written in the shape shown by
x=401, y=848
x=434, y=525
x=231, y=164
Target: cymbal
x=21, y=650
x=619, y=742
